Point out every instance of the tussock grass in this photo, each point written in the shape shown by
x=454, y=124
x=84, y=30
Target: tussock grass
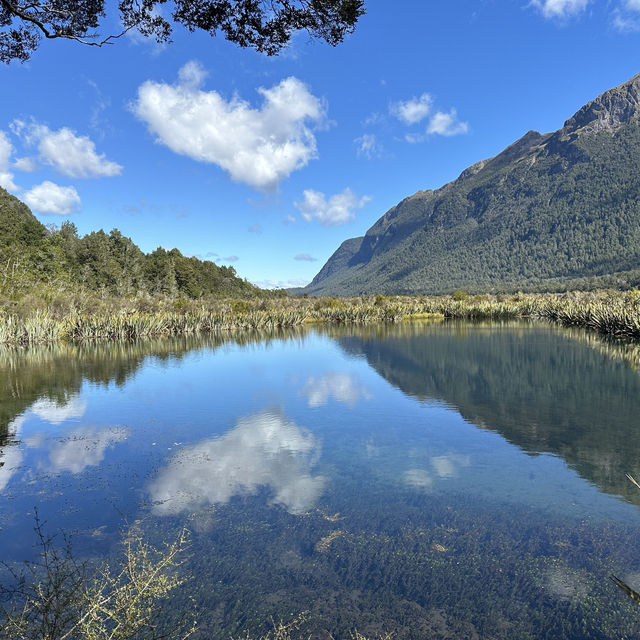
x=612, y=313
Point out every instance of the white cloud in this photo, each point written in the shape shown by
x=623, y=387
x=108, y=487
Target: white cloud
x=55, y=413
x=6, y=177
x=25, y=164
x=259, y=147
x=560, y=8
x=72, y=155
x=414, y=110
x=368, y=146
x=305, y=257
x=446, y=124
x=625, y=17
x=84, y=447
x=343, y=387
x=415, y=138
x=49, y=197
x=338, y=209
x=281, y=284
x=264, y=450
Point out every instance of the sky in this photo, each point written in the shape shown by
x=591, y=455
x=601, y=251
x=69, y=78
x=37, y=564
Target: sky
x=269, y=163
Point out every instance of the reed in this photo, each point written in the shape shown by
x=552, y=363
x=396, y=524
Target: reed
x=612, y=313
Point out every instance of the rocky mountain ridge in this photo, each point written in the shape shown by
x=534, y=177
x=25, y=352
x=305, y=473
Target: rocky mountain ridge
x=551, y=210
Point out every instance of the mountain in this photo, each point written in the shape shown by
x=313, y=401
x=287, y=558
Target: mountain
x=551, y=211
x=33, y=256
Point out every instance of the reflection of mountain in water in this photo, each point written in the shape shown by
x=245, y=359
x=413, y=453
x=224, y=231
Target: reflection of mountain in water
x=537, y=386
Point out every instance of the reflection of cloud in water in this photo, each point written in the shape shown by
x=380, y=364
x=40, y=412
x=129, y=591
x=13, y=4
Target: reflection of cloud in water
x=10, y=454
x=565, y=583
x=341, y=386
x=56, y=413
x=418, y=478
x=448, y=466
x=442, y=466
x=84, y=447
x=262, y=450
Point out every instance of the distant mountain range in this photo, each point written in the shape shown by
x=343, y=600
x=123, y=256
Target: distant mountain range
x=551, y=211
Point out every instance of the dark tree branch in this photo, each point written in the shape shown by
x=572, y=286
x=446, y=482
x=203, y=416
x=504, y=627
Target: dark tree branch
x=265, y=26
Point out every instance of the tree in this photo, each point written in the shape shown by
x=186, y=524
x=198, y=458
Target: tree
x=263, y=25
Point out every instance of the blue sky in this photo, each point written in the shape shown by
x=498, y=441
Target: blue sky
x=268, y=164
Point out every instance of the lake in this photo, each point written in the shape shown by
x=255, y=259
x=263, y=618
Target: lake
x=429, y=479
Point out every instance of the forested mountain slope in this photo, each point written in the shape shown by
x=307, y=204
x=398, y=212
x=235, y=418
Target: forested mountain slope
x=33, y=256
x=552, y=210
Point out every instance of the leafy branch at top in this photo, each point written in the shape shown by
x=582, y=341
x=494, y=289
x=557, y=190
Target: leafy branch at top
x=257, y=24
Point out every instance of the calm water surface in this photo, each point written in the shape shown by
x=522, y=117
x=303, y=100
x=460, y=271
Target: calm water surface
x=430, y=480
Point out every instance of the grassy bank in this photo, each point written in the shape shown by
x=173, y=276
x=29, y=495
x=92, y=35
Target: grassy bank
x=35, y=321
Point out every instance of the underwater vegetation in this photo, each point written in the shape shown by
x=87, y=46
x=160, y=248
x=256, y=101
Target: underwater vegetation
x=415, y=566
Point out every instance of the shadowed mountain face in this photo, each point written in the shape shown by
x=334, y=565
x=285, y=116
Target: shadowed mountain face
x=550, y=211
x=543, y=389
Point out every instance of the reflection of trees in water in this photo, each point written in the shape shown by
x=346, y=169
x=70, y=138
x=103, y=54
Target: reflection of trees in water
x=54, y=373
x=544, y=389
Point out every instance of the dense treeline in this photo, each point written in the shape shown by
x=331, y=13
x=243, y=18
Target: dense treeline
x=33, y=256
x=552, y=212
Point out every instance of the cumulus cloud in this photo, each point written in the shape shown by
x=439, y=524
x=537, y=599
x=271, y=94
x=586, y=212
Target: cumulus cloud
x=263, y=450
x=231, y=259
x=68, y=153
x=625, y=17
x=368, y=146
x=55, y=413
x=338, y=209
x=305, y=257
x=560, y=8
x=84, y=447
x=49, y=197
x=6, y=177
x=343, y=387
x=414, y=110
x=257, y=146
x=446, y=124
x=25, y=164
